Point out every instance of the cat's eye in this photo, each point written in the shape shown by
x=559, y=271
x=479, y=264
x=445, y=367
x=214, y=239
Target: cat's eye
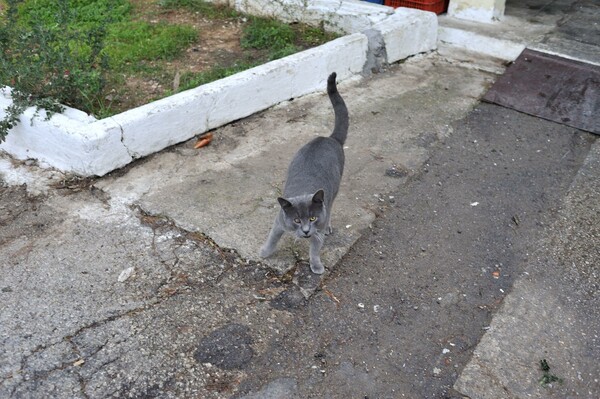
x=297, y=221
x=313, y=218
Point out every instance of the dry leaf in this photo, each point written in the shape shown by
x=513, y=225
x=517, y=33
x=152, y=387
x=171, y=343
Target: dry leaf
x=204, y=141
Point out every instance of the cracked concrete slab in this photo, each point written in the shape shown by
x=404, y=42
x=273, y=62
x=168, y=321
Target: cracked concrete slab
x=228, y=190
x=69, y=328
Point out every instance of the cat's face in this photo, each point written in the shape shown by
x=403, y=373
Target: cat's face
x=305, y=215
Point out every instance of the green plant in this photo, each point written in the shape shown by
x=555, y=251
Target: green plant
x=209, y=10
x=60, y=52
x=269, y=34
x=45, y=64
x=133, y=41
x=547, y=378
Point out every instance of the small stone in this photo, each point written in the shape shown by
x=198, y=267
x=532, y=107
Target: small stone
x=125, y=274
x=396, y=171
x=436, y=371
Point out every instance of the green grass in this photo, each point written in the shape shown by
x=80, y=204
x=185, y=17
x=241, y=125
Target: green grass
x=209, y=10
x=261, y=33
x=191, y=80
x=135, y=41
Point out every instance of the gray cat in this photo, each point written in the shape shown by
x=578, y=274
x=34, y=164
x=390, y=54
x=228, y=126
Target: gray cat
x=312, y=184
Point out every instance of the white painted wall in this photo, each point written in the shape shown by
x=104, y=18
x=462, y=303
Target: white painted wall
x=477, y=10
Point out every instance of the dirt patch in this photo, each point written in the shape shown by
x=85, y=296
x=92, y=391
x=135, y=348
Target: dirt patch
x=21, y=215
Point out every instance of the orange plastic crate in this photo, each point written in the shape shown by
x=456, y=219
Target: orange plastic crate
x=436, y=6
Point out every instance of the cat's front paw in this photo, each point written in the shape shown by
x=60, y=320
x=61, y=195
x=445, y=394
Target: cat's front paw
x=317, y=267
x=266, y=251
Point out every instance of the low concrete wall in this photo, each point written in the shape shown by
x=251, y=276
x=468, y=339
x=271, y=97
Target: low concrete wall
x=78, y=143
x=348, y=16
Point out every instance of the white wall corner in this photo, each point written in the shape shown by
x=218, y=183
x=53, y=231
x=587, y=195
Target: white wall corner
x=486, y=11
x=408, y=32
x=65, y=143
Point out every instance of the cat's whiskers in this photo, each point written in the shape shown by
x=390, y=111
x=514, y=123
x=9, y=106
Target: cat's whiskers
x=320, y=236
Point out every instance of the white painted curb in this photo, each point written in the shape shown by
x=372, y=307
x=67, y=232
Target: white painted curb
x=77, y=143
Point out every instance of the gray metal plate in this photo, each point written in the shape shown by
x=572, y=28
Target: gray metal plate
x=551, y=87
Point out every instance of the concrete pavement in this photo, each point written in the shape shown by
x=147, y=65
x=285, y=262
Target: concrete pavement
x=553, y=311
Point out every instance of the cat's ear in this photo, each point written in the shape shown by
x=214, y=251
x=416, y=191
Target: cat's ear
x=319, y=197
x=284, y=203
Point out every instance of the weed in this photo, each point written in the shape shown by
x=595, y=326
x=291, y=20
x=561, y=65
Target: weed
x=547, y=378
x=48, y=64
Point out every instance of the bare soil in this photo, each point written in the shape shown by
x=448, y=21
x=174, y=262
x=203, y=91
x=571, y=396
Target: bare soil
x=218, y=44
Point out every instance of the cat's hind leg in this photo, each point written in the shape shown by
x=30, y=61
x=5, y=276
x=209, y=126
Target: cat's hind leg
x=316, y=243
x=274, y=236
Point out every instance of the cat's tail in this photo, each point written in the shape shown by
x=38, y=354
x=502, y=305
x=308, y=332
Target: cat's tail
x=340, y=129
